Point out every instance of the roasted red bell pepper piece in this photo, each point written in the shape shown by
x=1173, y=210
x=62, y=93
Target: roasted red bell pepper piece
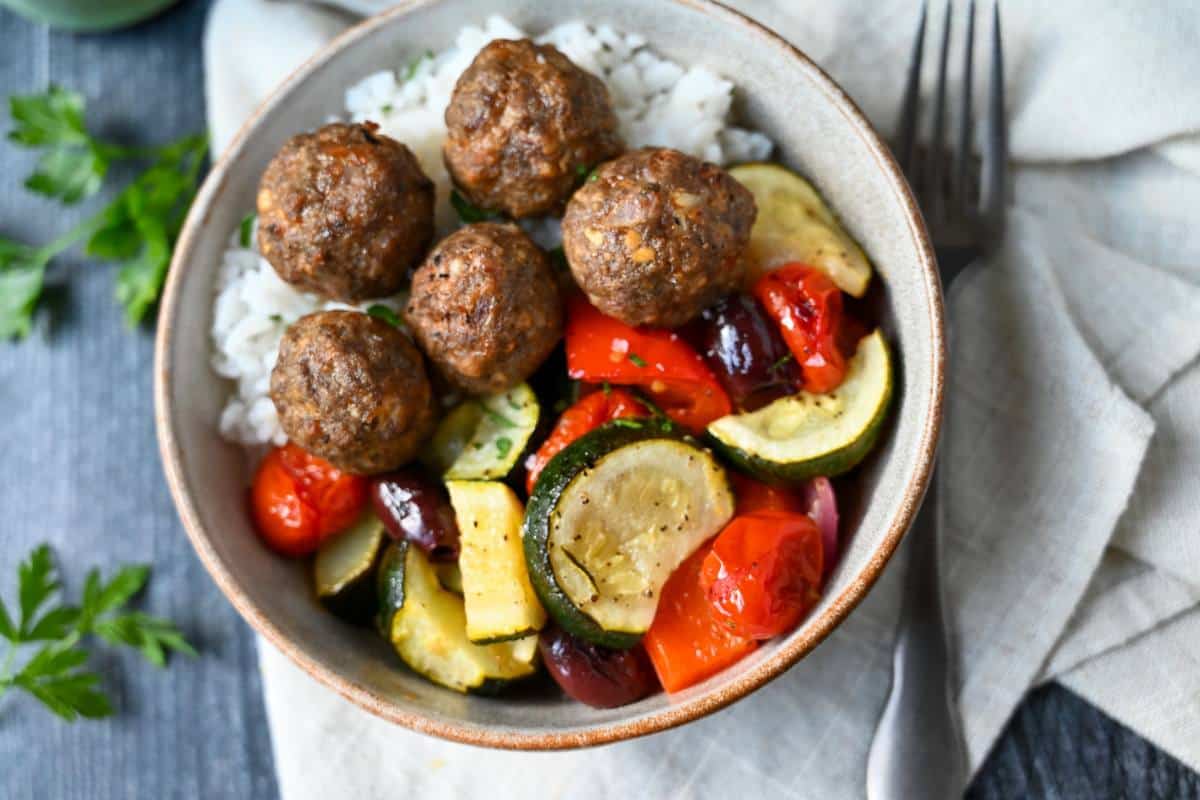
x=807, y=306
x=601, y=349
x=763, y=572
x=589, y=412
x=755, y=495
x=686, y=642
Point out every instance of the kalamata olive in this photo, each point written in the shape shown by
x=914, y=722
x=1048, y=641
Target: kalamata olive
x=745, y=351
x=597, y=676
x=416, y=508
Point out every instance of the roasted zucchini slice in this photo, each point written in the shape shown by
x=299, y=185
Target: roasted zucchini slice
x=429, y=633
x=344, y=570
x=805, y=435
x=484, y=438
x=500, y=601
x=611, y=518
x=795, y=224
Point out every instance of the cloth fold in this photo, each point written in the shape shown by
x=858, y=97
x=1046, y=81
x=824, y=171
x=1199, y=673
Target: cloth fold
x=1072, y=446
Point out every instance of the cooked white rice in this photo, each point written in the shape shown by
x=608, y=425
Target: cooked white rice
x=658, y=102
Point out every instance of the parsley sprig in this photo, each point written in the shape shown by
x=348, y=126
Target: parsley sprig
x=137, y=229
x=56, y=673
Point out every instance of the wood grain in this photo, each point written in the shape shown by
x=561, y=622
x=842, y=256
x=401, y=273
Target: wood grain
x=82, y=472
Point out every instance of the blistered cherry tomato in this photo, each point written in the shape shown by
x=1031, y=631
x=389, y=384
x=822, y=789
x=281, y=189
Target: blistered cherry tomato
x=417, y=509
x=745, y=351
x=298, y=500
x=595, y=675
x=807, y=307
x=764, y=572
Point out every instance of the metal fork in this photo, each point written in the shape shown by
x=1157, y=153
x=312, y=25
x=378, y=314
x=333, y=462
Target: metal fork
x=918, y=751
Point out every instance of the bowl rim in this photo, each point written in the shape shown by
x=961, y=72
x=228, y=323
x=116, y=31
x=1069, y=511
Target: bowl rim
x=684, y=711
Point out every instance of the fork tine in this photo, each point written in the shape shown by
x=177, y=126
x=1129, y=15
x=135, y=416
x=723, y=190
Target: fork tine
x=995, y=143
x=933, y=159
x=966, y=120
x=906, y=138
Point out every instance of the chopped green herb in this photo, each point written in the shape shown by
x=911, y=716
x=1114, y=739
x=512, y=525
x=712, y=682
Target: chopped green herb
x=513, y=403
x=411, y=70
x=246, y=230
x=467, y=211
x=379, y=311
x=503, y=445
x=581, y=171
x=138, y=228
x=606, y=387
x=624, y=422
x=277, y=318
x=386, y=108
x=637, y=360
x=498, y=418
x=56, y=673
x=781, y=362
x=593, y=177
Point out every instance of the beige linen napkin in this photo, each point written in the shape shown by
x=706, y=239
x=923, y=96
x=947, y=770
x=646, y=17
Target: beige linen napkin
x=1073, y=443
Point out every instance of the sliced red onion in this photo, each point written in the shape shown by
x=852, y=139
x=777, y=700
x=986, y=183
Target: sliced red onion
x=821, y=504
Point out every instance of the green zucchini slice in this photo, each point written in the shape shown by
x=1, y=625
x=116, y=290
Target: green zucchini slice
x=389, y=586
x=795, y=224
x=484, y=438
x=429, y=633
x=500, y=601
x=611, y=518
x=805, y=435
x=344, y=569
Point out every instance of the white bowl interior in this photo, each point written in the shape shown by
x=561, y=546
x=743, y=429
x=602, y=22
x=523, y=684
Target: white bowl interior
x=817, y=133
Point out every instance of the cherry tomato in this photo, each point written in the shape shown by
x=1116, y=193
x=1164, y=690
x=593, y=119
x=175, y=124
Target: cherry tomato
x=602, y=349
x=686, y=642
x=588, y=413
x=764, y=572
x=807, y=306
x=298, y=500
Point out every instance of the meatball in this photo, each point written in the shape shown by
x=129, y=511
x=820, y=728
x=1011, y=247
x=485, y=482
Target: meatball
x=344, y=212
x=352, y=389
x=485, y=307
x=524, y=125
x=658, y=236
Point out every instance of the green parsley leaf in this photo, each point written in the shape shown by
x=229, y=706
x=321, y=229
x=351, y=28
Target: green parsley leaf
x=246, y=230
x=384, y=313
x=411, y=70
x=74, y=164
x=783, y=360
x=137, y=229
x=55, y=674
x=503, y=445
x=606, y=387
x=637, y=360
x=623, y=422
x=467, y=211
x=36, y=582
x=8, y=628
x=593, y=177
x=22, y=271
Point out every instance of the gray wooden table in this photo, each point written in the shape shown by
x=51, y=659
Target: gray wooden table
x=81, y=471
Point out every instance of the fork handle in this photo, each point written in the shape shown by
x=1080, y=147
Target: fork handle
x=917, y=750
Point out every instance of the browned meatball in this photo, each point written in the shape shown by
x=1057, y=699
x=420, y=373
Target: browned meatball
x=344, y=212
x=485, y=307
x=352, y=389
x=658, y=236
x=524, y=126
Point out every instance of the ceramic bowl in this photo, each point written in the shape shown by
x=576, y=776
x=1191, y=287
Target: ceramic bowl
x=819, y=132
